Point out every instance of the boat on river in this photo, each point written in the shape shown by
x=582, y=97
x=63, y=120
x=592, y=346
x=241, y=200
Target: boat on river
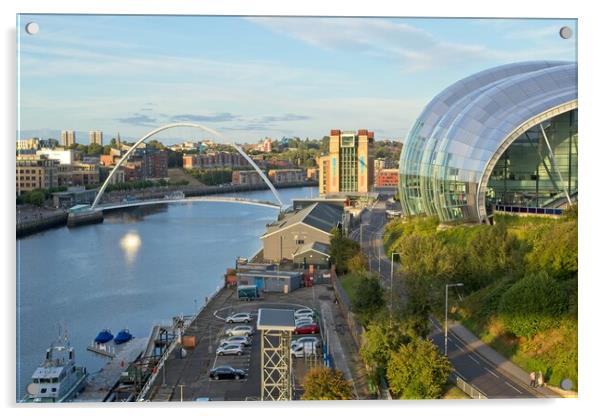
x=123, y=336
x=57, y=379
x=103, y=336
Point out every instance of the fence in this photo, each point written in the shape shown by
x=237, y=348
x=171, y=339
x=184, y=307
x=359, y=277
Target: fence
x=467, y=388
x=355, y=328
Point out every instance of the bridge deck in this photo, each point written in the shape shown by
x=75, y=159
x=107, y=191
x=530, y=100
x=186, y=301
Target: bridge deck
x=256, y=202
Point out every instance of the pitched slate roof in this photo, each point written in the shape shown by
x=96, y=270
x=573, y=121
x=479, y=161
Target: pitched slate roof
x=320, y=215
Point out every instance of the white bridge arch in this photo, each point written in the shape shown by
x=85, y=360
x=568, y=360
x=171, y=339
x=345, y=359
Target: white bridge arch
x=192, y=125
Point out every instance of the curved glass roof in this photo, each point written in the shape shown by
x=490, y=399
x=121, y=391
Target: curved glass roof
x=456, y=135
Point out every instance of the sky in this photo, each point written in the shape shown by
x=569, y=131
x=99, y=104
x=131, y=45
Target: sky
x=255, y=77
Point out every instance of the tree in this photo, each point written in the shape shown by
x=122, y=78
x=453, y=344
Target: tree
x=380, y=340
x=342, y=249
x=326, y=384
x=369, y=297
x=35, y=197
x=418, y=371
x=357, y=264
x=94, y=149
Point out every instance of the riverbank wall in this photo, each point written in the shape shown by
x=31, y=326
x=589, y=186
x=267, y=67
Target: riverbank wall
x=37, y=225
x=29, y=227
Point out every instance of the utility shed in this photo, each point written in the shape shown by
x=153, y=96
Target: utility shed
x=270, y=280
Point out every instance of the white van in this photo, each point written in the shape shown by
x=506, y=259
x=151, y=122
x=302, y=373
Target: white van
x=303, y=350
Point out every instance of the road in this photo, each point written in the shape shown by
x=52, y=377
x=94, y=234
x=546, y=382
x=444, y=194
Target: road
x=471, y=366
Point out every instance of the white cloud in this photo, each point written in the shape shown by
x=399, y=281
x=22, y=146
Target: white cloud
x=414, y=48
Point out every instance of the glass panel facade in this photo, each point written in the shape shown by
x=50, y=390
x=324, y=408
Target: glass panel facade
x=348, y=163
x=528, y=175
x=457, y=136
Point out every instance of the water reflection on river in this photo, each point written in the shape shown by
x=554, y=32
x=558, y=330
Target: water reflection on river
x=140, y=267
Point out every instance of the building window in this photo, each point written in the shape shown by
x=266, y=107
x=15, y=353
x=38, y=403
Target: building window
x=299, y=242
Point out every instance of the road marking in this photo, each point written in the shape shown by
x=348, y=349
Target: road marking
x=510, y=385
x=492, y=373
x=473, y=359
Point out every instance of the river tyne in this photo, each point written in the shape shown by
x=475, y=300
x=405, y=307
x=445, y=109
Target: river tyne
x=140, y=267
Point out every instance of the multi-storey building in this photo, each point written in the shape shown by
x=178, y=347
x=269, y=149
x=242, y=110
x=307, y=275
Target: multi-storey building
x=155, y=163
x=387, y=178
x=350, y=163
x=95, y=137
x=64, y=156
x=246, y=177
x=214, y=160
x=264, y=146
x=78, y=174
x=68, y=138
x=28, y=144
x=281, y=176
x=33, y=172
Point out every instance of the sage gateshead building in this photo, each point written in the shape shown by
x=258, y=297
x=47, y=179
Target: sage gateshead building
x=503, y=139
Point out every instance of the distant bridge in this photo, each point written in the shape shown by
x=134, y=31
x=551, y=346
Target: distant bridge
x=135, y=203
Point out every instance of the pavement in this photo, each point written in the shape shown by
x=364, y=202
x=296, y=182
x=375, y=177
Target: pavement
x=475, y=362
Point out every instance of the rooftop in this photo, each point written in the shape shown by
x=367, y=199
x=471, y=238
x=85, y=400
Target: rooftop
x=319, y=215
x=276, y=319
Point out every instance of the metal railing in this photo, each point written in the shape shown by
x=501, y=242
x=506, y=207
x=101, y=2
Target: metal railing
x=528, y=210
x=467, y=388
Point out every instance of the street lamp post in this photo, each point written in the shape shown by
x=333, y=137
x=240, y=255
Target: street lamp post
x=391, y=300
x=379, y=261
x=447, y=286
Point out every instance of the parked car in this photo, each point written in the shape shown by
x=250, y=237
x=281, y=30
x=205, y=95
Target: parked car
x=303, y=350
x=240, y=330
x=244, y=340
x=305, y=340
x=307, y=329
x=299, y=313
x=230, y=349
x=226, y=373
x=239, y=318
x=303, y=321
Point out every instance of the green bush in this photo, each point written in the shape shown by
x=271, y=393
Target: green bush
x=533, y=304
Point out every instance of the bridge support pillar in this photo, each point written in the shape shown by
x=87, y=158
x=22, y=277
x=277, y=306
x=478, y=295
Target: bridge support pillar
x=76, y=219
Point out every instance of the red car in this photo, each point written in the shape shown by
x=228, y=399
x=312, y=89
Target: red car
x=307, y=329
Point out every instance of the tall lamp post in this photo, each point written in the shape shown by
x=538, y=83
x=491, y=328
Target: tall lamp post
x=391, y=300
x=447, y=286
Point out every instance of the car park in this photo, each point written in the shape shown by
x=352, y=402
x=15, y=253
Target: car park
x=230, y=349
x=240, y=330
x=244, y=340
x=299, y=313
x=227, y=373
x=239, y=318
x=305, y=340
x=307, y=329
